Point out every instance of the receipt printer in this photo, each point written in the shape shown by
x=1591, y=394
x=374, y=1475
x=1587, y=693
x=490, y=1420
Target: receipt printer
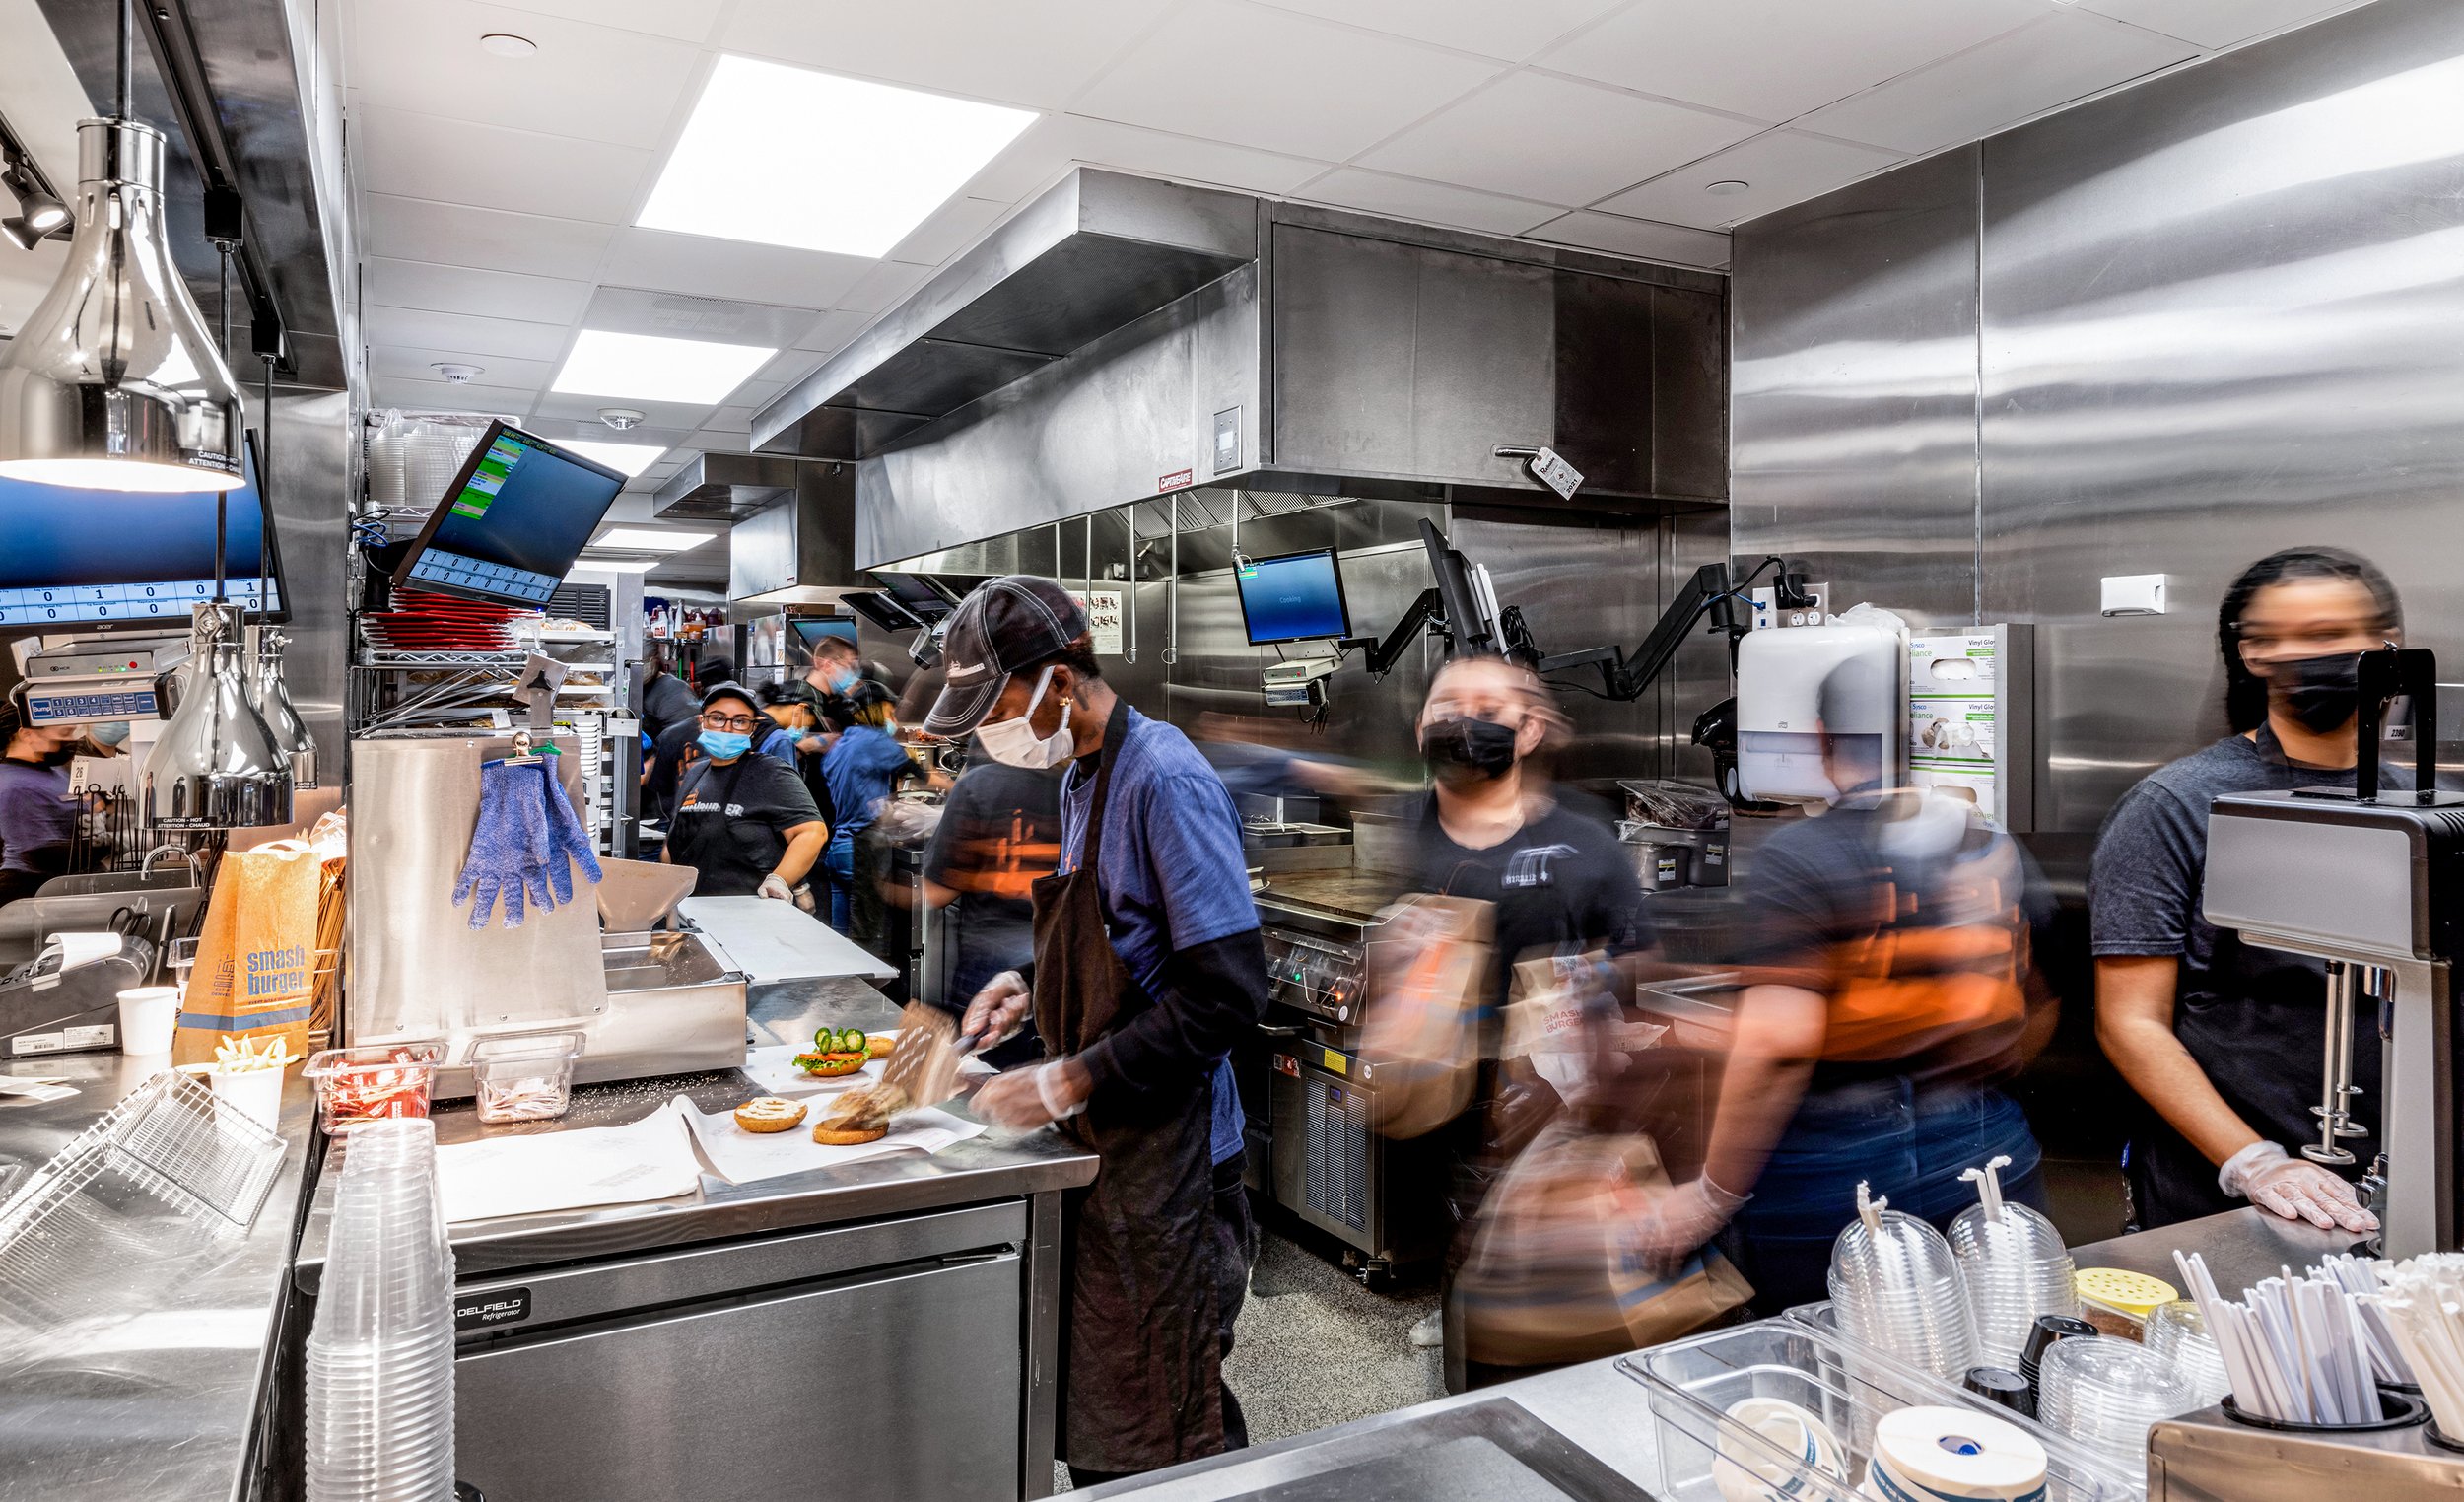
x=66, y=999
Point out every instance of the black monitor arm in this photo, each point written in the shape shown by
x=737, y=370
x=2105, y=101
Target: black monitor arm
x=1709, y=593
x=1383, y=656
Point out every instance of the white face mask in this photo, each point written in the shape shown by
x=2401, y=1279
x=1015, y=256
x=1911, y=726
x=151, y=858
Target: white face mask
x=1014, y=743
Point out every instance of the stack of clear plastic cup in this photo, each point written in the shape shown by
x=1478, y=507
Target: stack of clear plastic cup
x=2179, y=1334
x=1895, y=1287
x=2105, y=1392
x=381, y=1351
x=2013, y=1265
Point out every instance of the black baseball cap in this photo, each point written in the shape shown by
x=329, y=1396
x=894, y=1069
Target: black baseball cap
x=729, y=690
x=1002, y=625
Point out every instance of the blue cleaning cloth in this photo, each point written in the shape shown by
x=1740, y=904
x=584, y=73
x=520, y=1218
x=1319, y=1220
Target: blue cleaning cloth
x=525, y=845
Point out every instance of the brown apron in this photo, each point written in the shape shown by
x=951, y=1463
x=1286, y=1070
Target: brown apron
x=1142, y=1354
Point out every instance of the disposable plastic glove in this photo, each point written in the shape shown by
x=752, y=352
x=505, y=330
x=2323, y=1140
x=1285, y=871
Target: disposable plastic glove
x=570, y=843
x=1675, y=1222
x=2293, y=1188
x=775, y=887
x=509, y=845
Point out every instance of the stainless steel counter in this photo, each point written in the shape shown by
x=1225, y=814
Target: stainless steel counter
x=2240, y=1245
x=157, y=1402
x=997, y=1166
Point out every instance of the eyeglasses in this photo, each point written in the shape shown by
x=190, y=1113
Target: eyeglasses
x=729, y=721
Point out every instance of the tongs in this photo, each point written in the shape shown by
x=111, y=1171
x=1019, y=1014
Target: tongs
x=921, y=1070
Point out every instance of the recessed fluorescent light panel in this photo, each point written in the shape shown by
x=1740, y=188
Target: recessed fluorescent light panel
x=588, y=565
x=648, y=369
x=627, y=460
x=786, y=155
x=643, y=537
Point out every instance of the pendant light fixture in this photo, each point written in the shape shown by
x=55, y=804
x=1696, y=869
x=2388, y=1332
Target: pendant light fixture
x=273, y=702
x=218, y=764
x=113, y=382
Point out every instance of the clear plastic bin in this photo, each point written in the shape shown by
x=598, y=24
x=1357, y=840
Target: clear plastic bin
x=1690, y=1383
x=375, y=1082
x=524, y=1076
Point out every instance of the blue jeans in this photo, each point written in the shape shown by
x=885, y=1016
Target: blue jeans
x=838, y=867
x=1908, y=1142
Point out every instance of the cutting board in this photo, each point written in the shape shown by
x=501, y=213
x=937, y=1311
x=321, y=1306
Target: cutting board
x=772, y=940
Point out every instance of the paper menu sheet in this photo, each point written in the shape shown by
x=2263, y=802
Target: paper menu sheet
x=741, y=1157
x=648, y=1159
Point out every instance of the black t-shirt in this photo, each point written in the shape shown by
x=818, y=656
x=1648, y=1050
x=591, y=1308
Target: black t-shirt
x=1561, y=885
x=1000, y=831
x=2252, y=1017
x=665, y=702
x=730, y=822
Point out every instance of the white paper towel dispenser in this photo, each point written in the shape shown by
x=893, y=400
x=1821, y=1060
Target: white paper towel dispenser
x=1781, y=705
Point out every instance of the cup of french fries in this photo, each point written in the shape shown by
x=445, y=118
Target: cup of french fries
x=246, y=1074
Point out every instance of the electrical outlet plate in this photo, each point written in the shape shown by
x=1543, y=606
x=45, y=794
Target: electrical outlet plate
x=1768, y=616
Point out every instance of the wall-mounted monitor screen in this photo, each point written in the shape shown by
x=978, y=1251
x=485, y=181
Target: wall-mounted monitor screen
x=1294, y=597
x=512, y=522
x=811, y=629
x=916, y=594
x=94, y=557
x=881, y=610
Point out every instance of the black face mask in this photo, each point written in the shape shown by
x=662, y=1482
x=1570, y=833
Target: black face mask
x=2321, y=692
x=1463, y=747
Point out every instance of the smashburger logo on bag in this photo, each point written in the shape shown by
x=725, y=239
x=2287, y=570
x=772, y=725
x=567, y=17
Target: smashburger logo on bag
x=278, y=972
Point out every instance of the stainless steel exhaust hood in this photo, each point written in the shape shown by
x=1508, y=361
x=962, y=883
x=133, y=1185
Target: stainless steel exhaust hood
x=1123, y=338
x=725, y=487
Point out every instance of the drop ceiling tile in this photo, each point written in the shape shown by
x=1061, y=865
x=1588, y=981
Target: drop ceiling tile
x=756, y=393
x=2215, y=23
x=440, y=396
x=595, y=82
x=577, y=408
x=426, y=156
x=1781, y=167
x=684, y=19
x=829, y=334
x=412, y=363
x=457, y=234
x=787, y=367
x=1492, y=28
x=422, y=329
x=2001, y=82
x=952, y=228
x=1276, y=80
x=1552, y=139
x=1037, y=53
x=1058, y=142
x=392, y=283
x=1435, y=203
x=883, y=286
x=1642, y=238
x=1775, y=60
x=730, y=420
x=674, y=315
x=705, y=266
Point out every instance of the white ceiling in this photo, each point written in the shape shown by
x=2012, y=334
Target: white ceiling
x=498, y=194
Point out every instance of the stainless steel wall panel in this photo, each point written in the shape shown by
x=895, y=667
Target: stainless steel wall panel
x=2221, y=315
x=1853, y=405
x=316, y=473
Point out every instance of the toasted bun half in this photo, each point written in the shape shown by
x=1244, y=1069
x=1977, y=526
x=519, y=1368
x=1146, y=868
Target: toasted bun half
x=768, y=1113
x=849, y=1137
x=879, y=1045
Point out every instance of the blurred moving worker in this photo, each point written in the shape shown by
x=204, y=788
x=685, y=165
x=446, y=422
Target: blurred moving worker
x=1557, y=886
x=38, y=817
x=1254, y=756
x=743, y=820
x=1890, y=990
x=1000, y=834
x=1148, y=967
x=2222, y=1040
x=864, y=765
x=665, y=699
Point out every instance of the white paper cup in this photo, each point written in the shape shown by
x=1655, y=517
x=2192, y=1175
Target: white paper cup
x=253, y=1093
x=149, y=1016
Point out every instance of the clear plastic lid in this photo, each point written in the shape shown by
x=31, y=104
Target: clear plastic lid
x=1896, y=1287
x=2013, y=1265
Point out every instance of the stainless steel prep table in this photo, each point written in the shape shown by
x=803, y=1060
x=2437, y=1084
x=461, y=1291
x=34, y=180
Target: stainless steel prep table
x=626, y=1277
x=164, y=1403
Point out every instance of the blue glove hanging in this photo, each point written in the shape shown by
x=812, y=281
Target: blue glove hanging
x=569, y=844
x=509, y=845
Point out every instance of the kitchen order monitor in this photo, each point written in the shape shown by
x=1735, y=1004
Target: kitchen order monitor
x=512, y=522
x=90, y=557
x=1294, y=597
x=811, y=629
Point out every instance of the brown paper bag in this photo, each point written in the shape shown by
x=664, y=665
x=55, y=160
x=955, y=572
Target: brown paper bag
x=1556, y=1274
x=256, y=958
x=1421, y=1029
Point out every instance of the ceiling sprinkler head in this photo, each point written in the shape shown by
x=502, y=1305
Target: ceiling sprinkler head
x=1728, y=187
x=459, y=375
x=620, y=418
